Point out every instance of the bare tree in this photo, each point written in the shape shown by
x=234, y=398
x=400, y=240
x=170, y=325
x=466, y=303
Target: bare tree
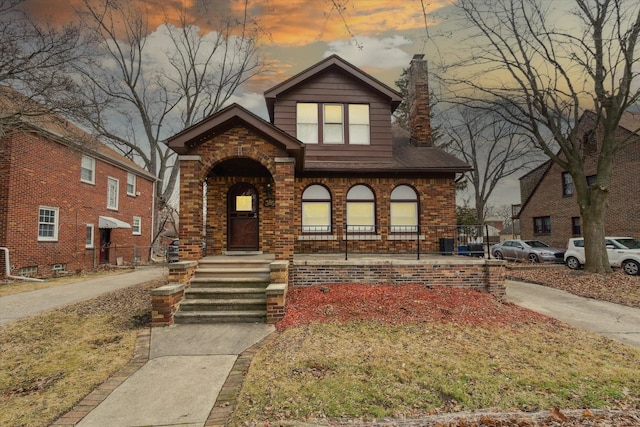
x=35, y=61
x=144, y=86
x=548, y=71
x=494, y=147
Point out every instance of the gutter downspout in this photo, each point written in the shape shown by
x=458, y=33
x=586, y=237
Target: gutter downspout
x=7, y=265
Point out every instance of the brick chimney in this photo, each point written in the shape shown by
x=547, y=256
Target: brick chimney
x=419, y=109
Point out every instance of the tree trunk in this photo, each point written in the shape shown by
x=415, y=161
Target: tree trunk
x=593, y=214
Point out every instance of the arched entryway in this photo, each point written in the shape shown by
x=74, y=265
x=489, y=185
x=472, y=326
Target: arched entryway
x=243, y=224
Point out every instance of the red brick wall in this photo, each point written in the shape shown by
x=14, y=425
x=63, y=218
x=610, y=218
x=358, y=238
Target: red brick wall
x=44, y=173
x=623, y=214
x=436, y=198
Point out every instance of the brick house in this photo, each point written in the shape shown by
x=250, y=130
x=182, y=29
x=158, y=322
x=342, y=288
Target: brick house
x=329, y=166
x=549, y=210
x=68, y=202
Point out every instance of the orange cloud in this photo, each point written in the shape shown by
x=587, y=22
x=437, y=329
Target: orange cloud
x=299, y=22
x=287, y=22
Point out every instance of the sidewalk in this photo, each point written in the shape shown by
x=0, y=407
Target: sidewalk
x=25, y=304
x=190, y=369
x=614, y=321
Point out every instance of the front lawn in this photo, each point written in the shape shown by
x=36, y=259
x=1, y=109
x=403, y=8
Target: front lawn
x=367, y=352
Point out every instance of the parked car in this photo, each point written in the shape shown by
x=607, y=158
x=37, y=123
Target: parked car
x=172, y=251
x=527, y=250
x=623, y=252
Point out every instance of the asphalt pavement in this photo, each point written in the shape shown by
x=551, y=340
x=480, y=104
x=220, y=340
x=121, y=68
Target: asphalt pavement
x=615, y=321
x=25, y=304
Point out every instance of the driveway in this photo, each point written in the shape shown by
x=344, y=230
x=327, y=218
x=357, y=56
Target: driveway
x=615, y=321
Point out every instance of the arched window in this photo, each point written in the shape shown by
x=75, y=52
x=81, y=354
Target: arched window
x=404, y=210
x=361, y=209
x=316, y=209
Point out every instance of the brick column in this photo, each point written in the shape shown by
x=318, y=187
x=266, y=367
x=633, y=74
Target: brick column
x=285, y=227
x=190, y=208
x=496, y=278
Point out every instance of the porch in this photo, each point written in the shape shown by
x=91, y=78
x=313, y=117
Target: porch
x=483, y=275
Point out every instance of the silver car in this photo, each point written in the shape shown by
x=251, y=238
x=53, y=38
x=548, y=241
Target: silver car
x=528, y=251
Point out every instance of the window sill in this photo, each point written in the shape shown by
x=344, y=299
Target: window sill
x=311, y=237
x=404, y=237
x=361, y=237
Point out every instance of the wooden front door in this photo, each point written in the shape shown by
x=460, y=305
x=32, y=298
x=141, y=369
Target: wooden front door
x=242, y=218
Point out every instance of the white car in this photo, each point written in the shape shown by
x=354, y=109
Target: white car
x=623, y=252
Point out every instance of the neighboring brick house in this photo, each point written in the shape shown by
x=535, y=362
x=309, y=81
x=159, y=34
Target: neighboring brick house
x=549, y=209
x=329, y=166
x=67, y=202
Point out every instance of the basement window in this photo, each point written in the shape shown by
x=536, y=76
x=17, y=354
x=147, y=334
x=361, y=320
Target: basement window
x=30, y=271
x=58, y=267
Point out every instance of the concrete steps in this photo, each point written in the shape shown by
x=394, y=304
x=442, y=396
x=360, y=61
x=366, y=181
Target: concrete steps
x=226, y=290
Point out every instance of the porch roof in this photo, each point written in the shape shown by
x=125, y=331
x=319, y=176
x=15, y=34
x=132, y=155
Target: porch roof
x=185, y=141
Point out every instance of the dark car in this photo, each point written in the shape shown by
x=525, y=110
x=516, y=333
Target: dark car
x=527, y=250
x=172, y=251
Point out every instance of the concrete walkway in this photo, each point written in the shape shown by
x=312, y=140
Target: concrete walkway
x=25, y=304
x=187, y=368
x=615, y=321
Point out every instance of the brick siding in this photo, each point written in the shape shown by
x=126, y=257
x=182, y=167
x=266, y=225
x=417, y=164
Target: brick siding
x=36, y=172
x=623, y=212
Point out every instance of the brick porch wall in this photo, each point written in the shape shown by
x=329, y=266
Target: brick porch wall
x=481, y=275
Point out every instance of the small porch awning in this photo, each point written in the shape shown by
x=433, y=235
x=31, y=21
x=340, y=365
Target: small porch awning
x=109, y=222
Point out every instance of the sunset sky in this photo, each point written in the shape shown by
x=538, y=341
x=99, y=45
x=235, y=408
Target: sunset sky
x=379, y=36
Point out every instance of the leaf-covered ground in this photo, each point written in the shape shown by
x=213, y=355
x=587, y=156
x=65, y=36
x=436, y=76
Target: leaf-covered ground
x=617, y=287
x=312, y=373
x=400, y=304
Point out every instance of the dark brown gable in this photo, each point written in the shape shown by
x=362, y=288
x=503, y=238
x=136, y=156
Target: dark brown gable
x=272, y=95
x=334, y=86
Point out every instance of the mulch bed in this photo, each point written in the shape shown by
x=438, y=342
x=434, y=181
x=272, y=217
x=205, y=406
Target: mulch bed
x=400, y=304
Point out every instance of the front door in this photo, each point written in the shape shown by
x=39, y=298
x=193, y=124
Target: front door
x=105, y=244
x=242, y=215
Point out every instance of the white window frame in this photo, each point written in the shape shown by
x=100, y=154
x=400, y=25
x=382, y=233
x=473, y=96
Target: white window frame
x=131, y=184
x=327, y=124
x=113, y=193
x=137, y=226
x=361, y=203
x=363, y=124
x=89, y=243
x=55, y=223
x=316, y=198
x=403, y=199
x=91, y=167
x=305, y=129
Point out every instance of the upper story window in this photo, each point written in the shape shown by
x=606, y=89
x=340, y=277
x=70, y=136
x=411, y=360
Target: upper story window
x=567, y=184
x=341, y=123
x=359, y=124
x=88, y=170
x=112, y=193
x=316, y=209
x=131, y=184
x=404, y=209
x=48, y=224
x=333, y=124
x=361, y=209
x=307, y=123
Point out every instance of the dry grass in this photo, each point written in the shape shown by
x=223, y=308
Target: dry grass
x=51, y=361
x=368, y=370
